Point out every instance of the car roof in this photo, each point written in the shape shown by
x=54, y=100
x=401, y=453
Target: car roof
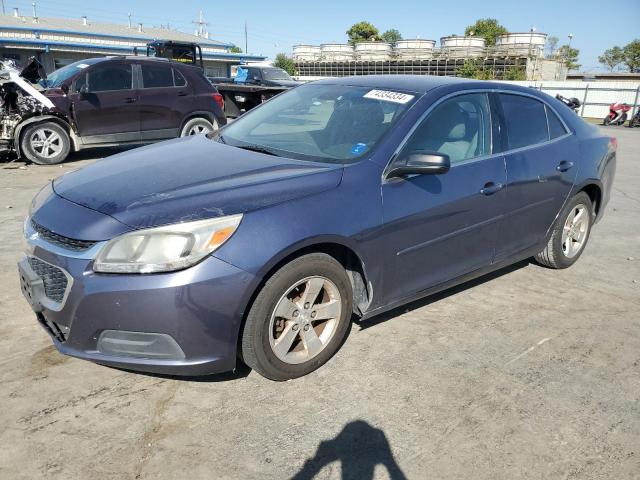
x=424, y=83
x=413, y=83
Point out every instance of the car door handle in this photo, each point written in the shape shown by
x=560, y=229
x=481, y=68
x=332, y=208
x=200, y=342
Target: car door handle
x=130, y=100
x=490, y=188
x=564, y=166
x=182, y=94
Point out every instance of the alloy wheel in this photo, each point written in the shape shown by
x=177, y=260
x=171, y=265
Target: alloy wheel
x=574, y=232
x=305, y=320
x=46, y=143
x=198, y=129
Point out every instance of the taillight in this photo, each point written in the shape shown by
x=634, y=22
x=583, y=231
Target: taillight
x=219, y=100
x=613, y=141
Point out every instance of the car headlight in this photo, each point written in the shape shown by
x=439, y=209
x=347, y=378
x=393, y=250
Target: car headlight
x=165, y=249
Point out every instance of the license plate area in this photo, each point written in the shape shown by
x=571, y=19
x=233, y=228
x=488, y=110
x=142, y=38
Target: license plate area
x=32, y=286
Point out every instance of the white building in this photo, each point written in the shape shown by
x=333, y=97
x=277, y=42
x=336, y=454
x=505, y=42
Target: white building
x=59, y=41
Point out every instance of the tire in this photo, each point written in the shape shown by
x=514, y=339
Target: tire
x=197, y=126
x=607, y=120
x=569, y=239
x=45, y=143
x=634, y=122
x=276, y=346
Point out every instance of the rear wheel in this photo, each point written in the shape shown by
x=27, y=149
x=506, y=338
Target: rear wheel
x=197, y=126
x=570, y=233
x=45, y=143
x=299, y=319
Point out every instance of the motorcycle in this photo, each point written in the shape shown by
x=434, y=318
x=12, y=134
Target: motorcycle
x=573, y=103
x=635, y=120
x=617, y=114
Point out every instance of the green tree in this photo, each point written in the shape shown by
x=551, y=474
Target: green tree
x=235, y=49
x=552, y=46
x=612, y=57
x=286, y=63
x=569, y=57
x=392, y=36
x=632, y=56
x=514, y=73
x=487, y=28
x=362, y=32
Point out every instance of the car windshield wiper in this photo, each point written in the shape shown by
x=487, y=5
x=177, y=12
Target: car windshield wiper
x=259, y=149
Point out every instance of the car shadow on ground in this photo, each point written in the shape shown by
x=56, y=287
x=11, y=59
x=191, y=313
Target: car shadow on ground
x=98, y=153
x=359, y=448
x=436, y=297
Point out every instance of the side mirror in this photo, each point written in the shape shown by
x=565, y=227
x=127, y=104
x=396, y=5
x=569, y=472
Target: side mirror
x=84, y=90
x=420, y=162
x=257, y=79
x=65, y=88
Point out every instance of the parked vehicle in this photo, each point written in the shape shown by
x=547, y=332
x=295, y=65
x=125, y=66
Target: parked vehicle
x=617, y=114
x=635, y=120
x=252, y=85
x=102, y=102
x=340, y=198
x=573, y=103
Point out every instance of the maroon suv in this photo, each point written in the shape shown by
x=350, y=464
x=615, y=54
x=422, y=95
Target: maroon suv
x=118, y=100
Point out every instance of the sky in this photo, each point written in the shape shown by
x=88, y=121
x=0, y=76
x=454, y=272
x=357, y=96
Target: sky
x=276, y=26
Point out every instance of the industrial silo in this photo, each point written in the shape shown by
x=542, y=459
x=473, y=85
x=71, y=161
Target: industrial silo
x=306, y=53
x=336, y=52
x=457, y=46
x=373, y=51
x=414, y=49
x=521, y=44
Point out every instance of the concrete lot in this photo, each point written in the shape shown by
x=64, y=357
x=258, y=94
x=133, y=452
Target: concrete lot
x=528, y=373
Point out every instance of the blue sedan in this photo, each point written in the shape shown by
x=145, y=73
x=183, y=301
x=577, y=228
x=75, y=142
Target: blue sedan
x=339, y=199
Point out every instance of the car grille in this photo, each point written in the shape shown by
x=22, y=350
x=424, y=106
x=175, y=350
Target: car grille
x=54, y=279
x=61, y=241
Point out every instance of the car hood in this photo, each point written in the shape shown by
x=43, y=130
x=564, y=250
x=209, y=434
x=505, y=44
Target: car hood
x=191, y=178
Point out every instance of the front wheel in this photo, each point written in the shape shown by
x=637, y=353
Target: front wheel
x=45, y=143
x=197, y=126
x=570, y=233
x=607, y=120
x=299, y=319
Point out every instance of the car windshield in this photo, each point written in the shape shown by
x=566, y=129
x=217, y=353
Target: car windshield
x=321, y=122
x=57, y=78
x=275, y=74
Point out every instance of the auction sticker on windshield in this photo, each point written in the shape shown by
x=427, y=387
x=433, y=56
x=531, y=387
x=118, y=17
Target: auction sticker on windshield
x=389, y=96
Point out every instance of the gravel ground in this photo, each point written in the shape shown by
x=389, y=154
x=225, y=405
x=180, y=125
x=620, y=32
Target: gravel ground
x=526, y=373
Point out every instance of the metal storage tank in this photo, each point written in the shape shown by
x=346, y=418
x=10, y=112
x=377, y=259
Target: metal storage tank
x=414, y=48
x=306, y=53
x=373, y=51
x=463, y=46
x=336, y=52
x=530, y=43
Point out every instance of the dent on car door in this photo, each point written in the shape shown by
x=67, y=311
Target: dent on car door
x=540, y=156
x=104, y=103
x=438, y=227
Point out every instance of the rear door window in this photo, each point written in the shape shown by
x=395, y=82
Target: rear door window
x=114, y=76
x=556, y=128
x=156, y=76
x=526, y=121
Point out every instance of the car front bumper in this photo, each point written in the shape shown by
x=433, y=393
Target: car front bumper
x=178, y=323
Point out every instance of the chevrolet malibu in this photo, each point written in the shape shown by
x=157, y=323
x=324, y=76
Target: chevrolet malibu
x=339, y=199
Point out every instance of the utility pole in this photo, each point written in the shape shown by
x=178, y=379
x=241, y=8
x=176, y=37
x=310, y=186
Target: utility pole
x=201, y=22
x=3, y=7
x=246, y=44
